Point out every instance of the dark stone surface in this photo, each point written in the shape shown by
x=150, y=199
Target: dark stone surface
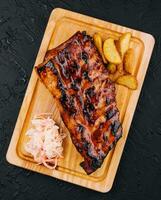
x=22, y=25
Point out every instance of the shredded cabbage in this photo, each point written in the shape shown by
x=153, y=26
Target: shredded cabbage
x=45, y=140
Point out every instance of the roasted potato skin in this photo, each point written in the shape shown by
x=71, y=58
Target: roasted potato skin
x=123, y=43
x=111, y=68
x=99, y=44
x=120, y=68
x=129, y=81
x=116, y=75
x=110, y=51
x=129, y=60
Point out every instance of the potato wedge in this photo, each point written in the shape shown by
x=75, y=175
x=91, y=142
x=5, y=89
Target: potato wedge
x=123, y=43
x=98, y=42
x=116, y=75
x=111, y=68
x=110, y=51
x=120, y=67
x=128, y=81
x=129, y=60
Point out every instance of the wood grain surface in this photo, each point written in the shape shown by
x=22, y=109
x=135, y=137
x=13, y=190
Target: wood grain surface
x=62, y=24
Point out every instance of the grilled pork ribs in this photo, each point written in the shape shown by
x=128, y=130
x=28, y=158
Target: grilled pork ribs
x=75, y=75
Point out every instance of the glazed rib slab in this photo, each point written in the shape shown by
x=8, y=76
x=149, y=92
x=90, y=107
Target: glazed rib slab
x=75, y=75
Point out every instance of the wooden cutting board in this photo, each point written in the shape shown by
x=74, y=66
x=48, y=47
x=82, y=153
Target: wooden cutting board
x=63, y=24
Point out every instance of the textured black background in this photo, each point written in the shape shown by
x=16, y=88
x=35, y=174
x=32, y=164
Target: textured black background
x=22, y=25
